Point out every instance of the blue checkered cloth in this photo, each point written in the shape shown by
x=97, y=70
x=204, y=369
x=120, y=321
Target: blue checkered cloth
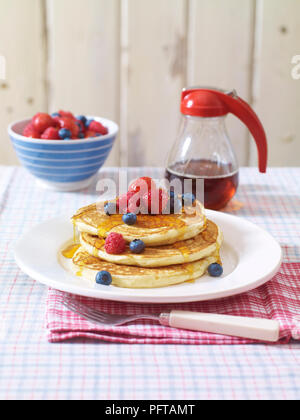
x=32, y=368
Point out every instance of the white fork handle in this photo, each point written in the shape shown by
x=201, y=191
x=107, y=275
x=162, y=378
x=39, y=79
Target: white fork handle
x=252, y=328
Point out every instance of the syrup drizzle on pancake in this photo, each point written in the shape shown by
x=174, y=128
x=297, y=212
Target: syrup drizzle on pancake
x=183, y=249
x=159, y=265
x=144, y=221
x=75, y=235
x=181, y=252
x=70, y=251
x=154, y=230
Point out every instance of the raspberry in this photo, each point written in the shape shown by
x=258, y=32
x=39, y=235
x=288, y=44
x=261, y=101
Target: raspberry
x=98, y=128
x=155, y=201
x=42, y=121
x=142, y=183
x=30, y=131
x=115, y=243
x=69, y=124
x=66, y=114
x=50, y=134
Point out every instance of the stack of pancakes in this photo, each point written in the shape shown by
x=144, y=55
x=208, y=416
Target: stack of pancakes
x=179, y=247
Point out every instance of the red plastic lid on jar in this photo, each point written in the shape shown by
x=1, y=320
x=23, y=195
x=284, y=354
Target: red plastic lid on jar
x=209, y=102
x=202, y=103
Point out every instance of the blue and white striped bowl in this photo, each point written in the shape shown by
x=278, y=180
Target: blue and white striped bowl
x=63, y=165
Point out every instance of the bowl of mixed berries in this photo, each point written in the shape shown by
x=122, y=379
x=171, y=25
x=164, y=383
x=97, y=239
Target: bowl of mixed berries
x=62, y=151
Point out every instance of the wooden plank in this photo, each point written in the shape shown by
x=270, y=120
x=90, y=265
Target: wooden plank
x=22, y=43
x=156, y=73
x=276, y=94
x=220, y=43
x=84, y=58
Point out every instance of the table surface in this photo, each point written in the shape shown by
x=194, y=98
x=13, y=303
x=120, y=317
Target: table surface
x=32, y=368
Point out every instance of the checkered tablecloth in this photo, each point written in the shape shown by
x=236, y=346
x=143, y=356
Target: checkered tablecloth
x=32, y=368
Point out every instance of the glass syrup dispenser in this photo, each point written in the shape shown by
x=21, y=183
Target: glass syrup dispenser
x=203, y=149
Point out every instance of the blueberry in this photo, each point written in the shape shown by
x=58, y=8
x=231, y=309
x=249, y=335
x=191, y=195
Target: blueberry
x=215, y=270
x=137, y=246
x=188, y=199
x=65, y=134
x=175, y=205
x=81, y=118
x=172, y=194
x=81, y=135
x=88, y=122
x=110, y=208
x=55, y=114
x=129, y=219
x=104, y=278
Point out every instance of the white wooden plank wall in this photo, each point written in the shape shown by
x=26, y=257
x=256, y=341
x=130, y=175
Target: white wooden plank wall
x=129, y=59
x=23, y=44
x=220, y=54
x=83, y=73
x=276, y=93
x=156, y=76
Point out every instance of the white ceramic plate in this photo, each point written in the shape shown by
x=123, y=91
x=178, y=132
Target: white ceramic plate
x=250, y=256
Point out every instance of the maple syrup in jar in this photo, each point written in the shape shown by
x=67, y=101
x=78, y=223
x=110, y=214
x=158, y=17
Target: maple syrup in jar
x=203, y=149
x=220, y=180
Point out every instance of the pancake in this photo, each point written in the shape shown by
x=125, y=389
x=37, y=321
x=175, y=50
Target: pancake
x=203, y=245
x=153, y=230
x=87, y=266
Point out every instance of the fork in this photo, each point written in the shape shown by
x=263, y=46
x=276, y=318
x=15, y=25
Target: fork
x=251, y=328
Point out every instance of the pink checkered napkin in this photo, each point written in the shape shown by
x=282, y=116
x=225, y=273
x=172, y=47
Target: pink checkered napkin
x=279, y=299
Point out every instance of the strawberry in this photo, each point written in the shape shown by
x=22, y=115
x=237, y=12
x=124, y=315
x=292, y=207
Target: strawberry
x=163, y=200
x=51, y=134
x=42, y=121
x=147, y=199
x=66, y=114
x=128, y=203
x=90, y=133
x=56, y=123
x=31, y=131
x=155, y=201
x=98, y=128
x=145, y=183
x=134, y=206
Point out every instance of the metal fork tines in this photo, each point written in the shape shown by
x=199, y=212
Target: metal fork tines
x=99, y=317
